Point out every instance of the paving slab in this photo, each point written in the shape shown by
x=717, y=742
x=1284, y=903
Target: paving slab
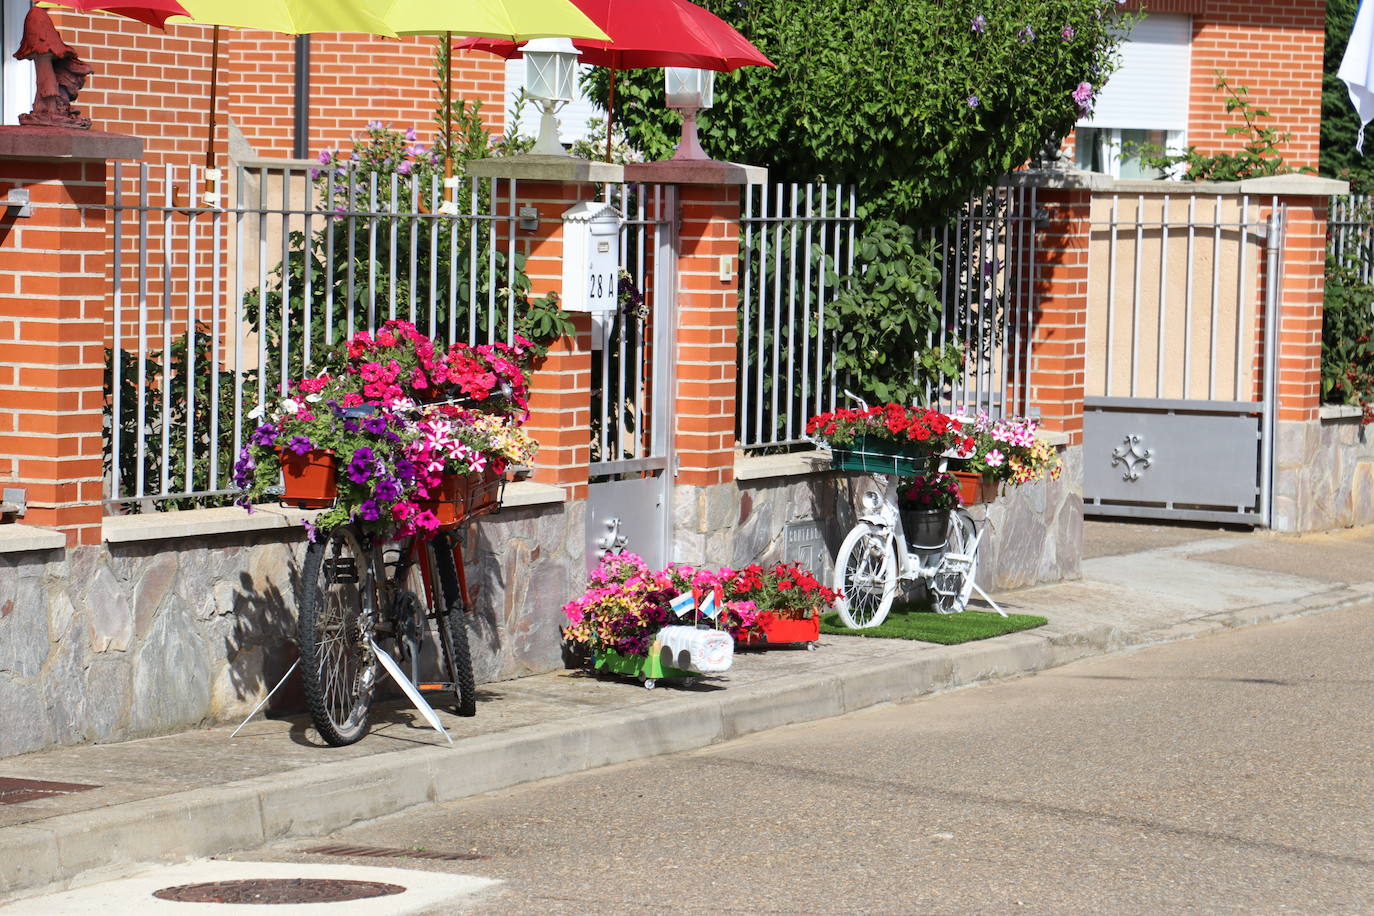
x=200, y=793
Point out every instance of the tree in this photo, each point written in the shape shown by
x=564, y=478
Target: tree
x=1340, y=124
x=917, y=102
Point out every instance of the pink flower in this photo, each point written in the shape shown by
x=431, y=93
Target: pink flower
x=995, y=458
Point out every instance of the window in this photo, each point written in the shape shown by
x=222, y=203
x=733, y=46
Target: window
x=1145, y=100
x=16, y=76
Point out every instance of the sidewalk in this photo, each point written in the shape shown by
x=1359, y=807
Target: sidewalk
x=200, y=793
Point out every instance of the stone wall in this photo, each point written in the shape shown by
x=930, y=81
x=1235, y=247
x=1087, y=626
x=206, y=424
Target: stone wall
x=1034, y=533
x=1324, y=473
x=123, y=640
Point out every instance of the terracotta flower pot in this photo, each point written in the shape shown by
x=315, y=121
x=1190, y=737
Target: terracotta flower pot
x=975, y=488
x=463, y=496
x=310, y=480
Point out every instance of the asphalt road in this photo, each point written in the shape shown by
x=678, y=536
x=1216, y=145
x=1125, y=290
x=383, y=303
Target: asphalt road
x=1230, y=774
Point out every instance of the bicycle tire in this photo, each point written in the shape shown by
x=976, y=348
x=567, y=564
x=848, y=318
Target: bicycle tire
x=865, y=577
x=338, y=669
x=451, y=621
x=952, y=585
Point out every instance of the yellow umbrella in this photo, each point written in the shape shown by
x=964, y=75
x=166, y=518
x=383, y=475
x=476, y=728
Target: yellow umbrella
x=514, y=20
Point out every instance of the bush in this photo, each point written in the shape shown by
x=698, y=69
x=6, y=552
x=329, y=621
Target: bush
x=917, y=102
x=1347, y=326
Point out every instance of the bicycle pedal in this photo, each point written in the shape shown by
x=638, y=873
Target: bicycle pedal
x=433, y=688
x=341, y=570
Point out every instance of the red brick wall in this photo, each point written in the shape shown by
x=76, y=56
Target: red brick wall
x=157, y=86
x=1272, y=47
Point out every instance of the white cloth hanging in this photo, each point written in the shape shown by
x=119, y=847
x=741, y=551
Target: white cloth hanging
x=1357, y=68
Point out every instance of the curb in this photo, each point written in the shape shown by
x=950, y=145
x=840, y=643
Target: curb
x=319, y=799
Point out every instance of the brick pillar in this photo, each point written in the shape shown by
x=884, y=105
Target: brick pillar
x=53, y=289
x=1300, y=320
x=707, y=336
x=1059, y=322
x=560, y=390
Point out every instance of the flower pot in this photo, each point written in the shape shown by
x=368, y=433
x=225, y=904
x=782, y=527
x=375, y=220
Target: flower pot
x=773, y=630
x=925, y=528
x=881, y=456
x=975, y=488
x=463, y=497
x=310, y=480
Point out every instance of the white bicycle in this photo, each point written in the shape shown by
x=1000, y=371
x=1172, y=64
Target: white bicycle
x=875, y=556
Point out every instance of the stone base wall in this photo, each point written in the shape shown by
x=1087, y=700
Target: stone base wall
x=1034, y=532
x=1323, y=475
x=119, y=641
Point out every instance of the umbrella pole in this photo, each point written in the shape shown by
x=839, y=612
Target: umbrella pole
x=610, y=115
x=448, y=104
x=214, y=99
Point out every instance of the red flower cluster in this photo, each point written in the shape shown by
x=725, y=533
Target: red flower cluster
x=401, y=362
x=891, y=422
x=786, y=589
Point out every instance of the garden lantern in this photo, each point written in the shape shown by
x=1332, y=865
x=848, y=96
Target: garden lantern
x=689, y=90
x=550, y=71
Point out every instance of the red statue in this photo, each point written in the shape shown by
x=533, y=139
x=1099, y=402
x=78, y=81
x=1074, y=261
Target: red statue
x=59, y=71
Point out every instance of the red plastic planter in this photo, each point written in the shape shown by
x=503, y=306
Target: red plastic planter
x=772, y=630
x=974, y=488
x=310, y=480
x=464, y=496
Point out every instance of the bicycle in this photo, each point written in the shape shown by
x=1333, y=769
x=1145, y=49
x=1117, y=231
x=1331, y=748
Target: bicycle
x=874, y=556
x=357, y=590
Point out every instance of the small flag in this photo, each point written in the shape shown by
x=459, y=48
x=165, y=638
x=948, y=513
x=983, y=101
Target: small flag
x=682, y=604
x=708, y=605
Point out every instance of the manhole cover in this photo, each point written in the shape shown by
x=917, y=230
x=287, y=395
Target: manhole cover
x=278, y=890
x=13, y=790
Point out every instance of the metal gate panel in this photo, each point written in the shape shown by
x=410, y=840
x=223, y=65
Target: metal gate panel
x=1196, y=460
x=633, y=385
x=1181, y=331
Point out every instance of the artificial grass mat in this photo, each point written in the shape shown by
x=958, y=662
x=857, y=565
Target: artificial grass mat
x=912, y=621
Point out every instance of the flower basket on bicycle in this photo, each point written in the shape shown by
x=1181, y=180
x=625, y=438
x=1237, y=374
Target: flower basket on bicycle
x=464, y=497
x=876, y=456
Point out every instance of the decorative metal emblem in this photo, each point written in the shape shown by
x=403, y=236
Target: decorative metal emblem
x=612, y=541
x=1135, y=458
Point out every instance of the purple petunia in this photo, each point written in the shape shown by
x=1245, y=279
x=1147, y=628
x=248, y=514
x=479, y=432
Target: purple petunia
x=263, y=435
x=405, y=471
x=301, y=444
x=979, y=24
x=369, y=511
x=361, y=465
x=387, y=490
x=376, y=425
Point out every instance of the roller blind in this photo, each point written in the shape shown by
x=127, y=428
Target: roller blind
x=1149, y=91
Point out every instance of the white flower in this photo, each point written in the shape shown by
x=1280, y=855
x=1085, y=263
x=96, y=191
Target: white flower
x=257, y=412
x=290, y=406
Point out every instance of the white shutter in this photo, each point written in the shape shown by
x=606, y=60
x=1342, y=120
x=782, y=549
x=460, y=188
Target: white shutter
x=1149, y=90
x=572, y=118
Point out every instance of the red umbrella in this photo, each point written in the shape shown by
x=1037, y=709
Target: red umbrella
x=153, y=12
x=650, y=33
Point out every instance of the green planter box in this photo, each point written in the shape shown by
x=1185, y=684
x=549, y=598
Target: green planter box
x=880, y=456
x=647, y=668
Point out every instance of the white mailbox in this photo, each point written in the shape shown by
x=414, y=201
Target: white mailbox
x=591, y=257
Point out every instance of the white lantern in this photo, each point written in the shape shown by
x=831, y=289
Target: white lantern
x=689, y=90
x=550, y=79
x=687, y=87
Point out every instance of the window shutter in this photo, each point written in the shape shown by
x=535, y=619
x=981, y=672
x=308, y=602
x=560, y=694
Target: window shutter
x=1149, y=90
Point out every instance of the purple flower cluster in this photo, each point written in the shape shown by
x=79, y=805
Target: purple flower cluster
x=362, y=466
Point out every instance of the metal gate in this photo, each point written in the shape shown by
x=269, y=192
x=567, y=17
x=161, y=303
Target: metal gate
x=1180, y=389
x=629, y=498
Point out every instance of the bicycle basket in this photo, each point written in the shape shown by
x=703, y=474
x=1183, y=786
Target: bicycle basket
x=878, y=456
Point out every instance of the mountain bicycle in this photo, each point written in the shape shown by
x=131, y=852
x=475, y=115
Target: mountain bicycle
x=399, y=593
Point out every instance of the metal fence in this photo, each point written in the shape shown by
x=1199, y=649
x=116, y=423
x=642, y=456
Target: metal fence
x=1350, y=232
x=798, y=243
x=215, y=308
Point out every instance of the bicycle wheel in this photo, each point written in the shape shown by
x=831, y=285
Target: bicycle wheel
x=450, y=618
x=865, y=576
x=952, y=583
x=337, y=618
